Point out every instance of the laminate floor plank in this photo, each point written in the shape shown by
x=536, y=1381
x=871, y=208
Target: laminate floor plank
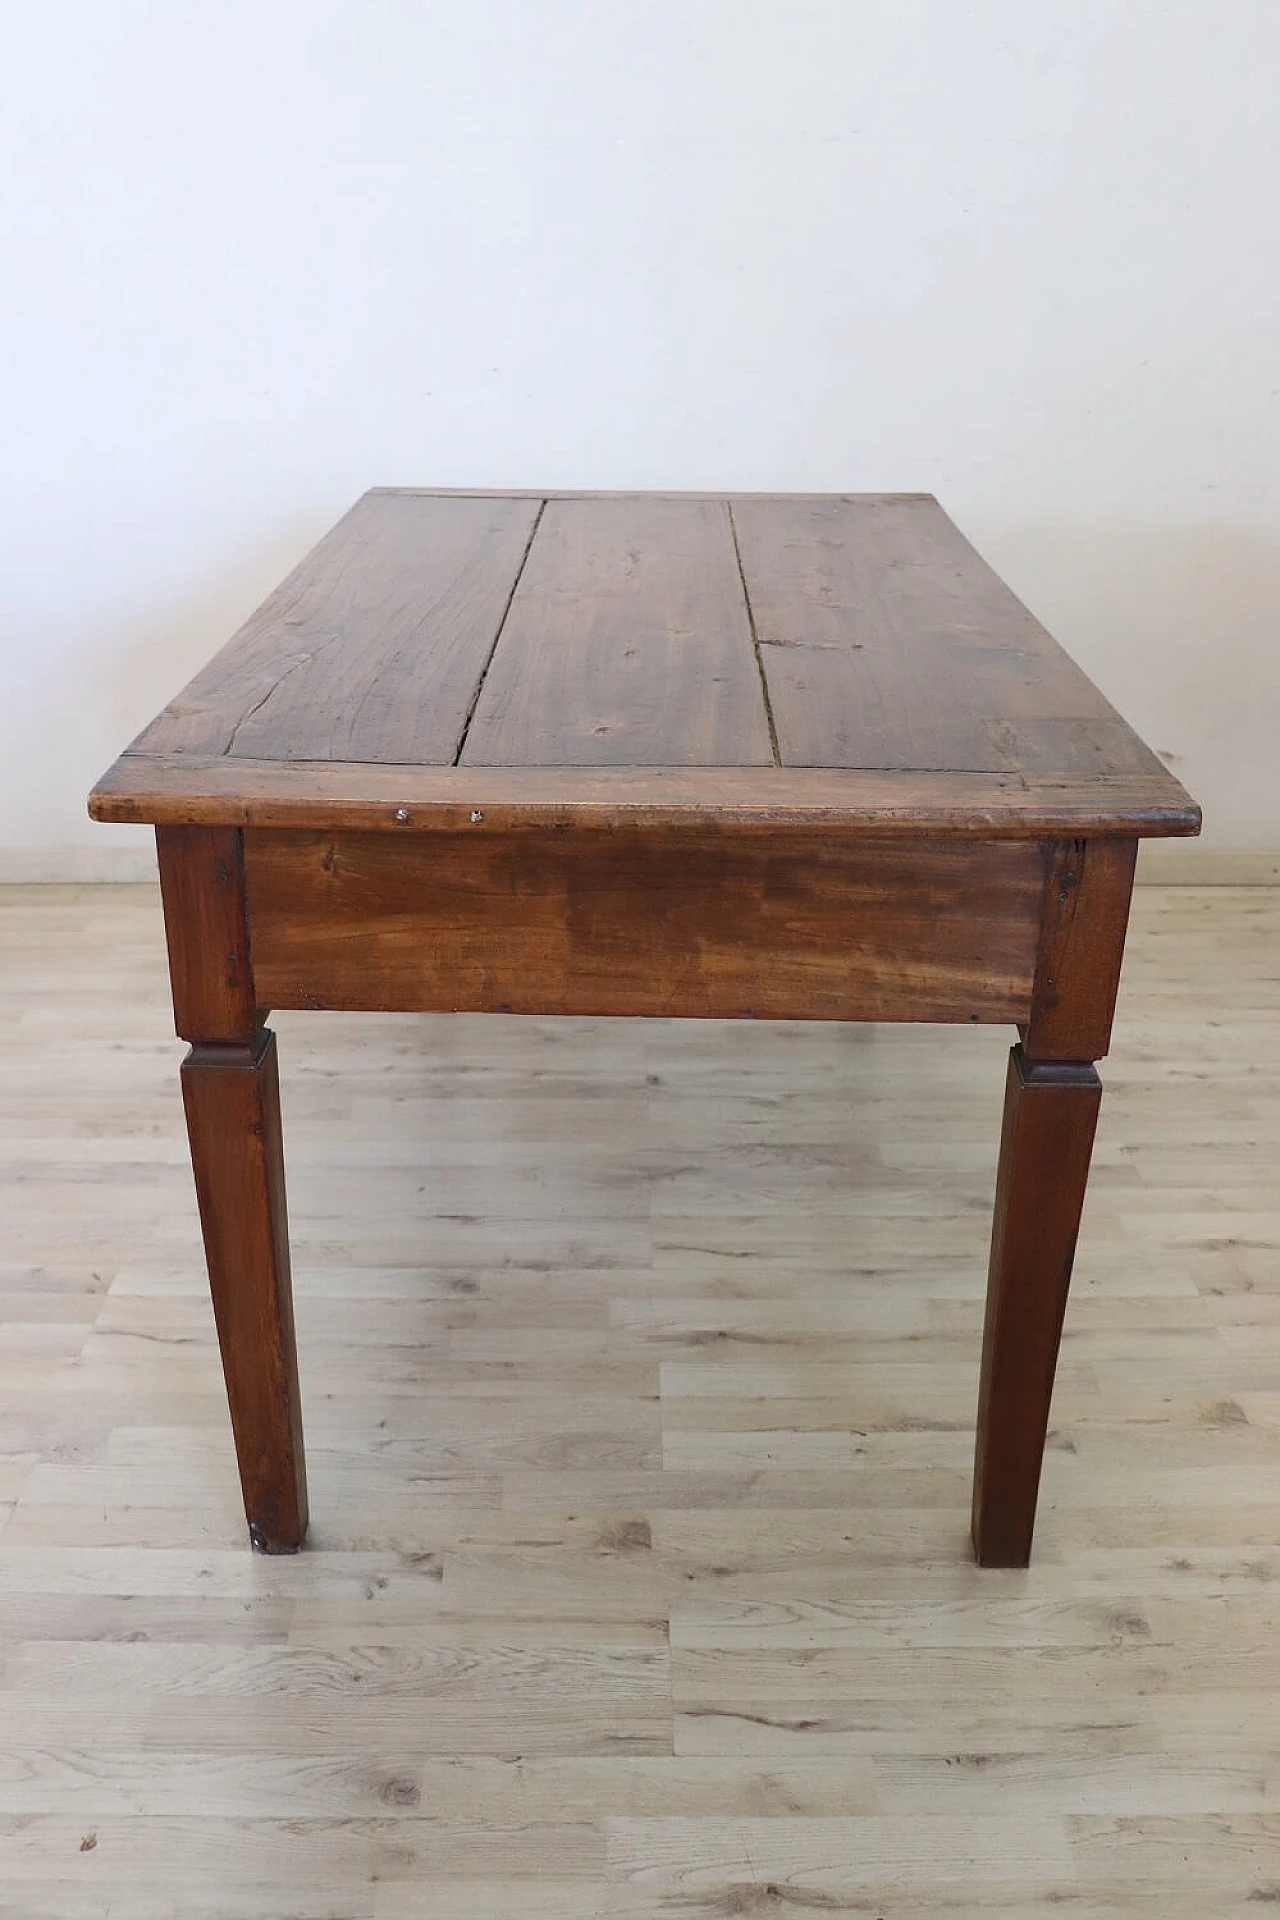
x=639, y=1365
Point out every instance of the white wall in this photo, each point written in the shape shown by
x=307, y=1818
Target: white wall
x=257, y=257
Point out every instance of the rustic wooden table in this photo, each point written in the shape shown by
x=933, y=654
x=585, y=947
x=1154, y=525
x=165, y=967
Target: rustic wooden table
x=795, y=757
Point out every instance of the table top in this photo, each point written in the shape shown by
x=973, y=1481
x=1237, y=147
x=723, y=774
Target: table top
x=442, y=657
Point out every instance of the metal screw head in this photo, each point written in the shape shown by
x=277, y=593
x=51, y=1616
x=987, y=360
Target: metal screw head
x=402, y=814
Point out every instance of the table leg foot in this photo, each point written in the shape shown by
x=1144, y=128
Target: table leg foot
x=232, y=1098
x=1050, y=1112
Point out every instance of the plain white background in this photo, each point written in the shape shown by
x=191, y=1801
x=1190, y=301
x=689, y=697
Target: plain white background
x=257, y=257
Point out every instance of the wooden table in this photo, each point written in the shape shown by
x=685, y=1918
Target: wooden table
x=795, y=757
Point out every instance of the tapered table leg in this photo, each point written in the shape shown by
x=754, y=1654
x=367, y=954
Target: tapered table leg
x=232, y=1099
x=1050, y=1112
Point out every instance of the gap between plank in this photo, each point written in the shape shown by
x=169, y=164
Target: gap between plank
x=488, y=662
x=755, y=639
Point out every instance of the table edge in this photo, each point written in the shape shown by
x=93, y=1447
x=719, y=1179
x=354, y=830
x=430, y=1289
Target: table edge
x=645, y=493
x=198, y=791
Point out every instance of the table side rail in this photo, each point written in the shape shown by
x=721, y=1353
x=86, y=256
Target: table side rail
x=793, y=925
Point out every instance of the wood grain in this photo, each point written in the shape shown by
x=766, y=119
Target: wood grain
x=627, y=644
x=371, y=650
x=800, y=926
x=888, y=642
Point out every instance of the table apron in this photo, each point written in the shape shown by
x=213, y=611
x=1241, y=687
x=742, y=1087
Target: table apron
x=793, y=924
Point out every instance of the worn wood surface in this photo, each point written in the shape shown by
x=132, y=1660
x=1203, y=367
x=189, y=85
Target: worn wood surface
x=792, y=926
x=888, y=642
x=232, y=1100
x=640, y=1362
x=469, y=633
x=627, y=644
x=373, y=647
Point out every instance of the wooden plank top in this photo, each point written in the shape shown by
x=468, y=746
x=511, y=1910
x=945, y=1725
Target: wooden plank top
x=450, y=657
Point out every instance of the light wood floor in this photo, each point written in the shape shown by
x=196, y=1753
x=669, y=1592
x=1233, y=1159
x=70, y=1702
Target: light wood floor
x=639, y=1365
